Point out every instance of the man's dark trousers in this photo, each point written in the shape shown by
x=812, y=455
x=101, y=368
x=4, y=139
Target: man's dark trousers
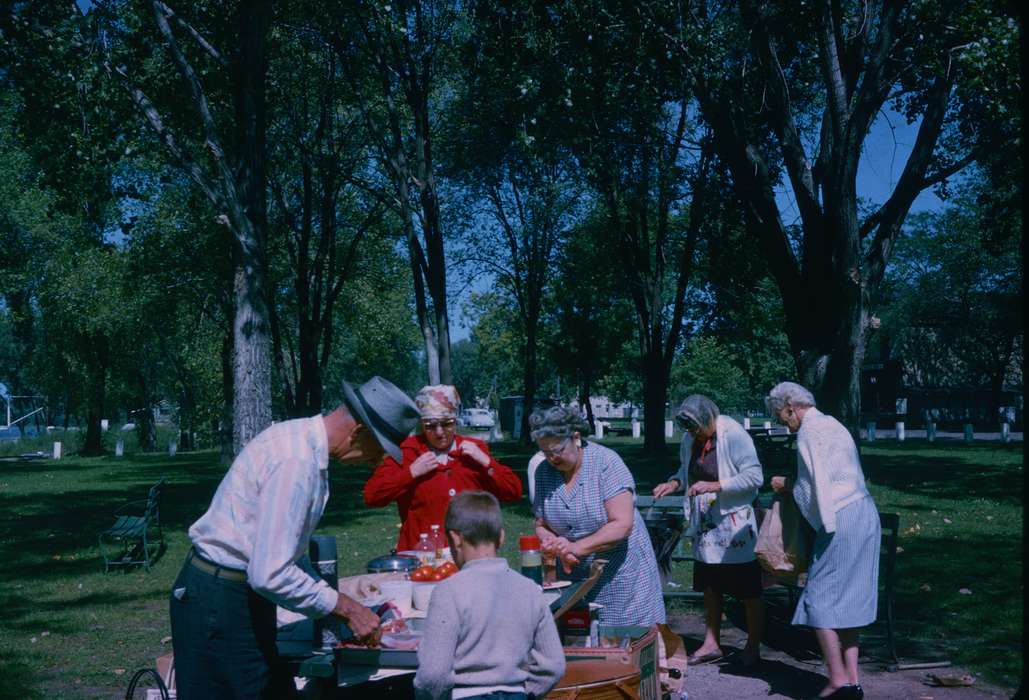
x=223, y=634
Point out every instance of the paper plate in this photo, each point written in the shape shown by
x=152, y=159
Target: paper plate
x=556, y=584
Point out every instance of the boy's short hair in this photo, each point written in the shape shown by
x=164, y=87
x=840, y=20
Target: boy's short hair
x=475, y=515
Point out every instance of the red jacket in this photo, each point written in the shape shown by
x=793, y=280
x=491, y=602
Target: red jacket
x=423, y=501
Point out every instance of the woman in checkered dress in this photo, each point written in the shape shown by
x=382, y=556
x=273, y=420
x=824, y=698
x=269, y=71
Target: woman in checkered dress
x=585, y=507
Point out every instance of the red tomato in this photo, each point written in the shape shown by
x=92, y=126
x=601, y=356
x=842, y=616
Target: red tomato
x=449, y=567
x=423, y=573
x=439, y=575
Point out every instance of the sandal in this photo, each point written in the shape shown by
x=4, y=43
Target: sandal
x=696, y=660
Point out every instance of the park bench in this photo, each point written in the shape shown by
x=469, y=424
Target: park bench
x=135, y=537
x=889, y=522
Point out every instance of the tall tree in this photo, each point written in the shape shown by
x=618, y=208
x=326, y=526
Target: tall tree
x=64, y=108
x=592, y=320
x=395, y=57
x=951, y=304
x=318, y=164
x=593, y=77
x=219, y=144
x=794, y=90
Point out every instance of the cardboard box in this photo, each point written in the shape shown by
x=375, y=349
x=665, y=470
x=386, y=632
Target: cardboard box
x=613, y=672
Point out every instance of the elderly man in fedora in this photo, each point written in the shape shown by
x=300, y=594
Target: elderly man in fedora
x=245, y=547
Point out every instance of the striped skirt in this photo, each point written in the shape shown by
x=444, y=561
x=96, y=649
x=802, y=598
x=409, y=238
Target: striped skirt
x=842, y=588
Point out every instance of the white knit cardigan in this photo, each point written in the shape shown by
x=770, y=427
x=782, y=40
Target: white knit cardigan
x=829, y=474
x=739, y=470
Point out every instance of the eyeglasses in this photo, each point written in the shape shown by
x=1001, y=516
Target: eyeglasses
x=430, y=425
x=556, y=451
x=687, y=424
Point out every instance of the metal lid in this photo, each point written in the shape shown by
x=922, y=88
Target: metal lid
x=392, y=562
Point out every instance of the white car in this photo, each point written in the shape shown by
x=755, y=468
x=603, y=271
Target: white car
x=479, y=418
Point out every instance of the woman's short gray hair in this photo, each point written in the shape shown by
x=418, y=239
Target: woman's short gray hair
x=699, y=409
x=786, y=394
x=557, y=421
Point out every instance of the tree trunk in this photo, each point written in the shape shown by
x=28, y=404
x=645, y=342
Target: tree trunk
x=529, y=381
x=831, y=369
x=144, y=417
x=584, y=400
x=225, y=430
x=252, y=398
x=655, y=395
x=146, y=431
x=97, y=395
x=308, y=395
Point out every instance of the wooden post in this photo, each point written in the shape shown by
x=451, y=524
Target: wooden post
x=635, y=429
x=930, y=431
x=668, y=428
x=768, y=425
x=969, y=433
x=57, y=450
x=119, y=448
x=900, y=431
x=870, y=430
x=599, y=429
x=1005, y=432
x=746, y=422
x=173, y=447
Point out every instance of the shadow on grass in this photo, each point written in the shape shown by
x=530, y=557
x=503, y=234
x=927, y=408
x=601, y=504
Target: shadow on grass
x=44, y=527
x=21, y=607
x=953, y=472
x=16, y=678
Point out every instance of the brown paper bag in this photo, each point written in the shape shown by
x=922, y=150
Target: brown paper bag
x=783, y=545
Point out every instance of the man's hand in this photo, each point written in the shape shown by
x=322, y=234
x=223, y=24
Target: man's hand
x=424, y=464
x=780, y=484
x=361, y=621
x=704, y=487
x=666, y=488
x=470, y=449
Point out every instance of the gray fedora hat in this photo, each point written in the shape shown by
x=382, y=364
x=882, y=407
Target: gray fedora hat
x=387, y=411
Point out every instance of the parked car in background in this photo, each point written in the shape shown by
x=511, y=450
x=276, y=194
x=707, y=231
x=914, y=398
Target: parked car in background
x=478, y=418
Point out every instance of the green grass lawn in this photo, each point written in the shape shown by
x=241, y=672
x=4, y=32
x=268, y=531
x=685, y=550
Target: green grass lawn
x=69, y=631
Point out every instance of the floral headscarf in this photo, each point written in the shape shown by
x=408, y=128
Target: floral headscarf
x=438, y=401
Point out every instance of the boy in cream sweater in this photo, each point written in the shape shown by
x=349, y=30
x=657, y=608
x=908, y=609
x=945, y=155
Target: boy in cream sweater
x=488, y=632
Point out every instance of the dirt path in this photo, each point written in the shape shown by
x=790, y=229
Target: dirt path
x=797, y=674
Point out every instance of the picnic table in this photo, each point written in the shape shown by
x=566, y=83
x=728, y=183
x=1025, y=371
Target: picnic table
x=357, y=673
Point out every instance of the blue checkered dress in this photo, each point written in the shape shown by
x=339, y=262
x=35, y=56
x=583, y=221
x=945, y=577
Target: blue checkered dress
x=629, y=589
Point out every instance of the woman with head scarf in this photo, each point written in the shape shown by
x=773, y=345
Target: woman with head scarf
x=437, y=464
x=720, y=470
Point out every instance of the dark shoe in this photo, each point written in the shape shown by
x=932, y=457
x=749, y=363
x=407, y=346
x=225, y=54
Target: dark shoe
x=695, y=660
x=844, y=692
x=746, y=659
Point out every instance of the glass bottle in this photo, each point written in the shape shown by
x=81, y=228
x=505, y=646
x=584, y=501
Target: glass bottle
x=425, y=549
x=549, y=568
x=437, y=542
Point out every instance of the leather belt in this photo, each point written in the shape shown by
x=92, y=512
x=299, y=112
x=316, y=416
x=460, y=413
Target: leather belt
x=215, y=570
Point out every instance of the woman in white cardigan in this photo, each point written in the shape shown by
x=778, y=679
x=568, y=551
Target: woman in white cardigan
x=841, y=593
x=718, y=464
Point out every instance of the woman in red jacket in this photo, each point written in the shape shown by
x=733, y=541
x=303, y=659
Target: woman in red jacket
x=437, y=465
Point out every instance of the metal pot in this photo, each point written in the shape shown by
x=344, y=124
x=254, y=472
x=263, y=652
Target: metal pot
x=392, y=562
